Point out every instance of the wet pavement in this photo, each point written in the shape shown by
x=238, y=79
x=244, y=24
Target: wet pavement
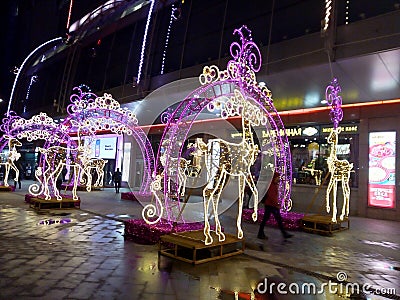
x=82, y=254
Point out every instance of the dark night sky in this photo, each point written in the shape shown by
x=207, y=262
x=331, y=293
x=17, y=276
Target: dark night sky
x=25, y=24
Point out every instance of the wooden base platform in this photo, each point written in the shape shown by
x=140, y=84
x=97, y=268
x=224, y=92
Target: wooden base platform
x=9, y=188
x=65, y=203
x=323, y=224
x=189, y=247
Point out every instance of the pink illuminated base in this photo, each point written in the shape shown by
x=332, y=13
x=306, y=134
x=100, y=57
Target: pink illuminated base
x=141, y=232
x=290, y=220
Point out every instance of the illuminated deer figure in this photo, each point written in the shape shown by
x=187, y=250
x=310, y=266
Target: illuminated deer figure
x=235, y=160
x=340, y=171
x=194, y=168
x=180, y=170
x=12, y=156
x=58, y=157
x=98, y=165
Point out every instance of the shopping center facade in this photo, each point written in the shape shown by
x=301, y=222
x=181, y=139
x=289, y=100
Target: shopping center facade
x=300, y=59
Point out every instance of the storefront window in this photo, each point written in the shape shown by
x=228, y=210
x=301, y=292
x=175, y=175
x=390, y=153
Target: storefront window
x=310, y=152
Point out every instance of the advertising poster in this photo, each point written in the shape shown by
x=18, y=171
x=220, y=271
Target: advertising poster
x=382, y=169
x=103, y=147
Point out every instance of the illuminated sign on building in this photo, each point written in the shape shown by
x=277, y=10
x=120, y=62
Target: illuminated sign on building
x=382, y=169
x=304, y=131
x=310, y=131
x=349, y=129
x=103, y=147
x=296, y=131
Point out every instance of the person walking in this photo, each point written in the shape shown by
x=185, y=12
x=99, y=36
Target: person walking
x=117, y=176
x=248, y=192
x=272, y=206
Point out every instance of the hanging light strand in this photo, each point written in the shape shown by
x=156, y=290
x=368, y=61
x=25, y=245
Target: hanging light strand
x=33, y=80
x=144, y=41
x=328, y=8
x=69, y=13
x=22, y=66
x=171, y=19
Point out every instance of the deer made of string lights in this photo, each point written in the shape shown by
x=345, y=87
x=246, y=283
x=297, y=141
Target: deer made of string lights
x=340, y=171
x=58, y=157
x=98, y=165
x=11, y=158
x=339, y=168
x=178, y=166
x=235, y=160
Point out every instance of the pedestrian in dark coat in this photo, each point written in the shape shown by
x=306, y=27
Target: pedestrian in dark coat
x=272, y=206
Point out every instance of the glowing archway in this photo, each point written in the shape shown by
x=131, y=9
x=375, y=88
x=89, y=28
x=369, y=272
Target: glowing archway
x=105, y=114
x=38, y=127
x=92, y=112
x=217, y=86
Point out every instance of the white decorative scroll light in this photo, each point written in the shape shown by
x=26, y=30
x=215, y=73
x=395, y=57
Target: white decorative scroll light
x=92, y=114
x=174, y=168
x=339, y=168
x=11, y=157
x=39, y=127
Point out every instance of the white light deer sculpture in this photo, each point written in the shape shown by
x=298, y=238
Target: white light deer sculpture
x=235, y=160
x=12, y=156
x=180, y=170
x=58, y=157
x=340, y=171
x=98, y=165
x=339, y=168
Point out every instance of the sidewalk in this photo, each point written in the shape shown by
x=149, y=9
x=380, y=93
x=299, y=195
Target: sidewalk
x=87, y=257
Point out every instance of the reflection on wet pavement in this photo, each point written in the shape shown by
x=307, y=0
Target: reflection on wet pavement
x=383, y=244
x=56, y=221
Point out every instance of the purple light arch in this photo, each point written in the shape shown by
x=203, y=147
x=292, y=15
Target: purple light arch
x=85, y=110
x=38, y=127
x=105, y=113
x=239, y=75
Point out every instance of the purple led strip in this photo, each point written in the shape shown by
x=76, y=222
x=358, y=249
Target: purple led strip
x=335, y=102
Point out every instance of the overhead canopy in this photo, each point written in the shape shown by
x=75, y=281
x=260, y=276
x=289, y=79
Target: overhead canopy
x=362, y=79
